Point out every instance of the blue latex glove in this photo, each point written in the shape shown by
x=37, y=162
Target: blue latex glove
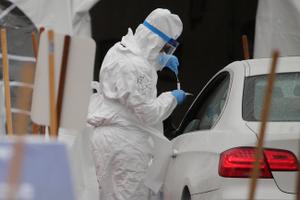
x=170, y=62
x=179, y=95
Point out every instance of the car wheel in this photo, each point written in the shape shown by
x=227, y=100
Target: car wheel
x=186, y=194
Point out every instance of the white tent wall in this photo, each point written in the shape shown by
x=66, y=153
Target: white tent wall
x=277, y=27
x=68, y=17
x=81, y=20
x=64, y=16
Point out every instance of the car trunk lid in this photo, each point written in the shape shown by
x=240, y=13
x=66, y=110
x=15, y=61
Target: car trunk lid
x=284, y=136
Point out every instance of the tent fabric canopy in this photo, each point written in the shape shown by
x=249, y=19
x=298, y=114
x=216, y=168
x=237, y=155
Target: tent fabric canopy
x=70, y=16
x=277, y=27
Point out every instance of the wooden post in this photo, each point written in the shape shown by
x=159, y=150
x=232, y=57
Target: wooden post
x=16, y=162
x=62, y=78
x=35, y=44
x=21, y=121
x=42, y=128
x=264, y=118
x=245, y=47
x=35, y=127
x=42, y=29
x=35, y=41
x=52, y=96
x=6, y=82
x=15, y=169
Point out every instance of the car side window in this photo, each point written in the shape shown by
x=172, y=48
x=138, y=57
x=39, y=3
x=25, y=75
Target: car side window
x=209, y=104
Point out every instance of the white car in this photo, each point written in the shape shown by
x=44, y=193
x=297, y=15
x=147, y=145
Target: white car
x=213, y=154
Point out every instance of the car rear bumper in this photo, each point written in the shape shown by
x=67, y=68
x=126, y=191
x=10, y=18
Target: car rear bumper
x=237, y=189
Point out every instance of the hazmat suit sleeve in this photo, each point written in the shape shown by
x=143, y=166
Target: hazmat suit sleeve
x=137, y=90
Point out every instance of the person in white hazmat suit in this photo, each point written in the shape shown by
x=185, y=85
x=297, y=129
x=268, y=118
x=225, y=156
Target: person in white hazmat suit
x=128, y=103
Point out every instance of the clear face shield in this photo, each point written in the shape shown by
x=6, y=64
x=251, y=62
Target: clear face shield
x=168, y=49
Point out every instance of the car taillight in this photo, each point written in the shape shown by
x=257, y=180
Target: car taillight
x=238, y=162
x=281, y=160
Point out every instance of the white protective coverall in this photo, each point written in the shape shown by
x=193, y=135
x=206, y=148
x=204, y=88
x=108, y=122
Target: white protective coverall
x=127, y=104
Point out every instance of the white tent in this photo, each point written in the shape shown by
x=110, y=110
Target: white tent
x=277, y=27
x=67, y=17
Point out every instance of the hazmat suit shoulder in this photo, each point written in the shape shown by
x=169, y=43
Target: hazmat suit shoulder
x=128, y=88
x=123, y=73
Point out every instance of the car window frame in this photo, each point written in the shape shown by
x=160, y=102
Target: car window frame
x=194, y=108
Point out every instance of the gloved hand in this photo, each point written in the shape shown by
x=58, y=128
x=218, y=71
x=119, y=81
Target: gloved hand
x=179, y=95
x=170, y=62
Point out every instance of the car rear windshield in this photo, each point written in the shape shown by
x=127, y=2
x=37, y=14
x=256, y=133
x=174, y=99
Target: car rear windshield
x=285, y=104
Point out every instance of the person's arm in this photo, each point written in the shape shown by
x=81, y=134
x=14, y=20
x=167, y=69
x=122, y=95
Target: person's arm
x=131, y=88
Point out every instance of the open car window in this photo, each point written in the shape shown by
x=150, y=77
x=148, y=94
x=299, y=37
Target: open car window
x=208, y=106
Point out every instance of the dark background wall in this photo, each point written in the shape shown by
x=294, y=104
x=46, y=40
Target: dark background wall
x=211, y=37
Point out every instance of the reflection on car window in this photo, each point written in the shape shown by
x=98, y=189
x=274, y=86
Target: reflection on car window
x=285, y=98
x=210, y=104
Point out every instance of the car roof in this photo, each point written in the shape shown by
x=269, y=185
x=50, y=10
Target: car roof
x=262, y=65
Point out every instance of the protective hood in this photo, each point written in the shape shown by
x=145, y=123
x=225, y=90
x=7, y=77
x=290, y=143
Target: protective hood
x=148, y=44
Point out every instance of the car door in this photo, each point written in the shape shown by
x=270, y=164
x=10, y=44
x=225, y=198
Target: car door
x=194, y=162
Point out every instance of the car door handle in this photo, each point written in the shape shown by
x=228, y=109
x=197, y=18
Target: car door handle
x=174, y=153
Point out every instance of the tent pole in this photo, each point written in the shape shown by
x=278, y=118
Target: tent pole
x=6, y=82
x=52, y=96
x=245, y=47
x=264, y=118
